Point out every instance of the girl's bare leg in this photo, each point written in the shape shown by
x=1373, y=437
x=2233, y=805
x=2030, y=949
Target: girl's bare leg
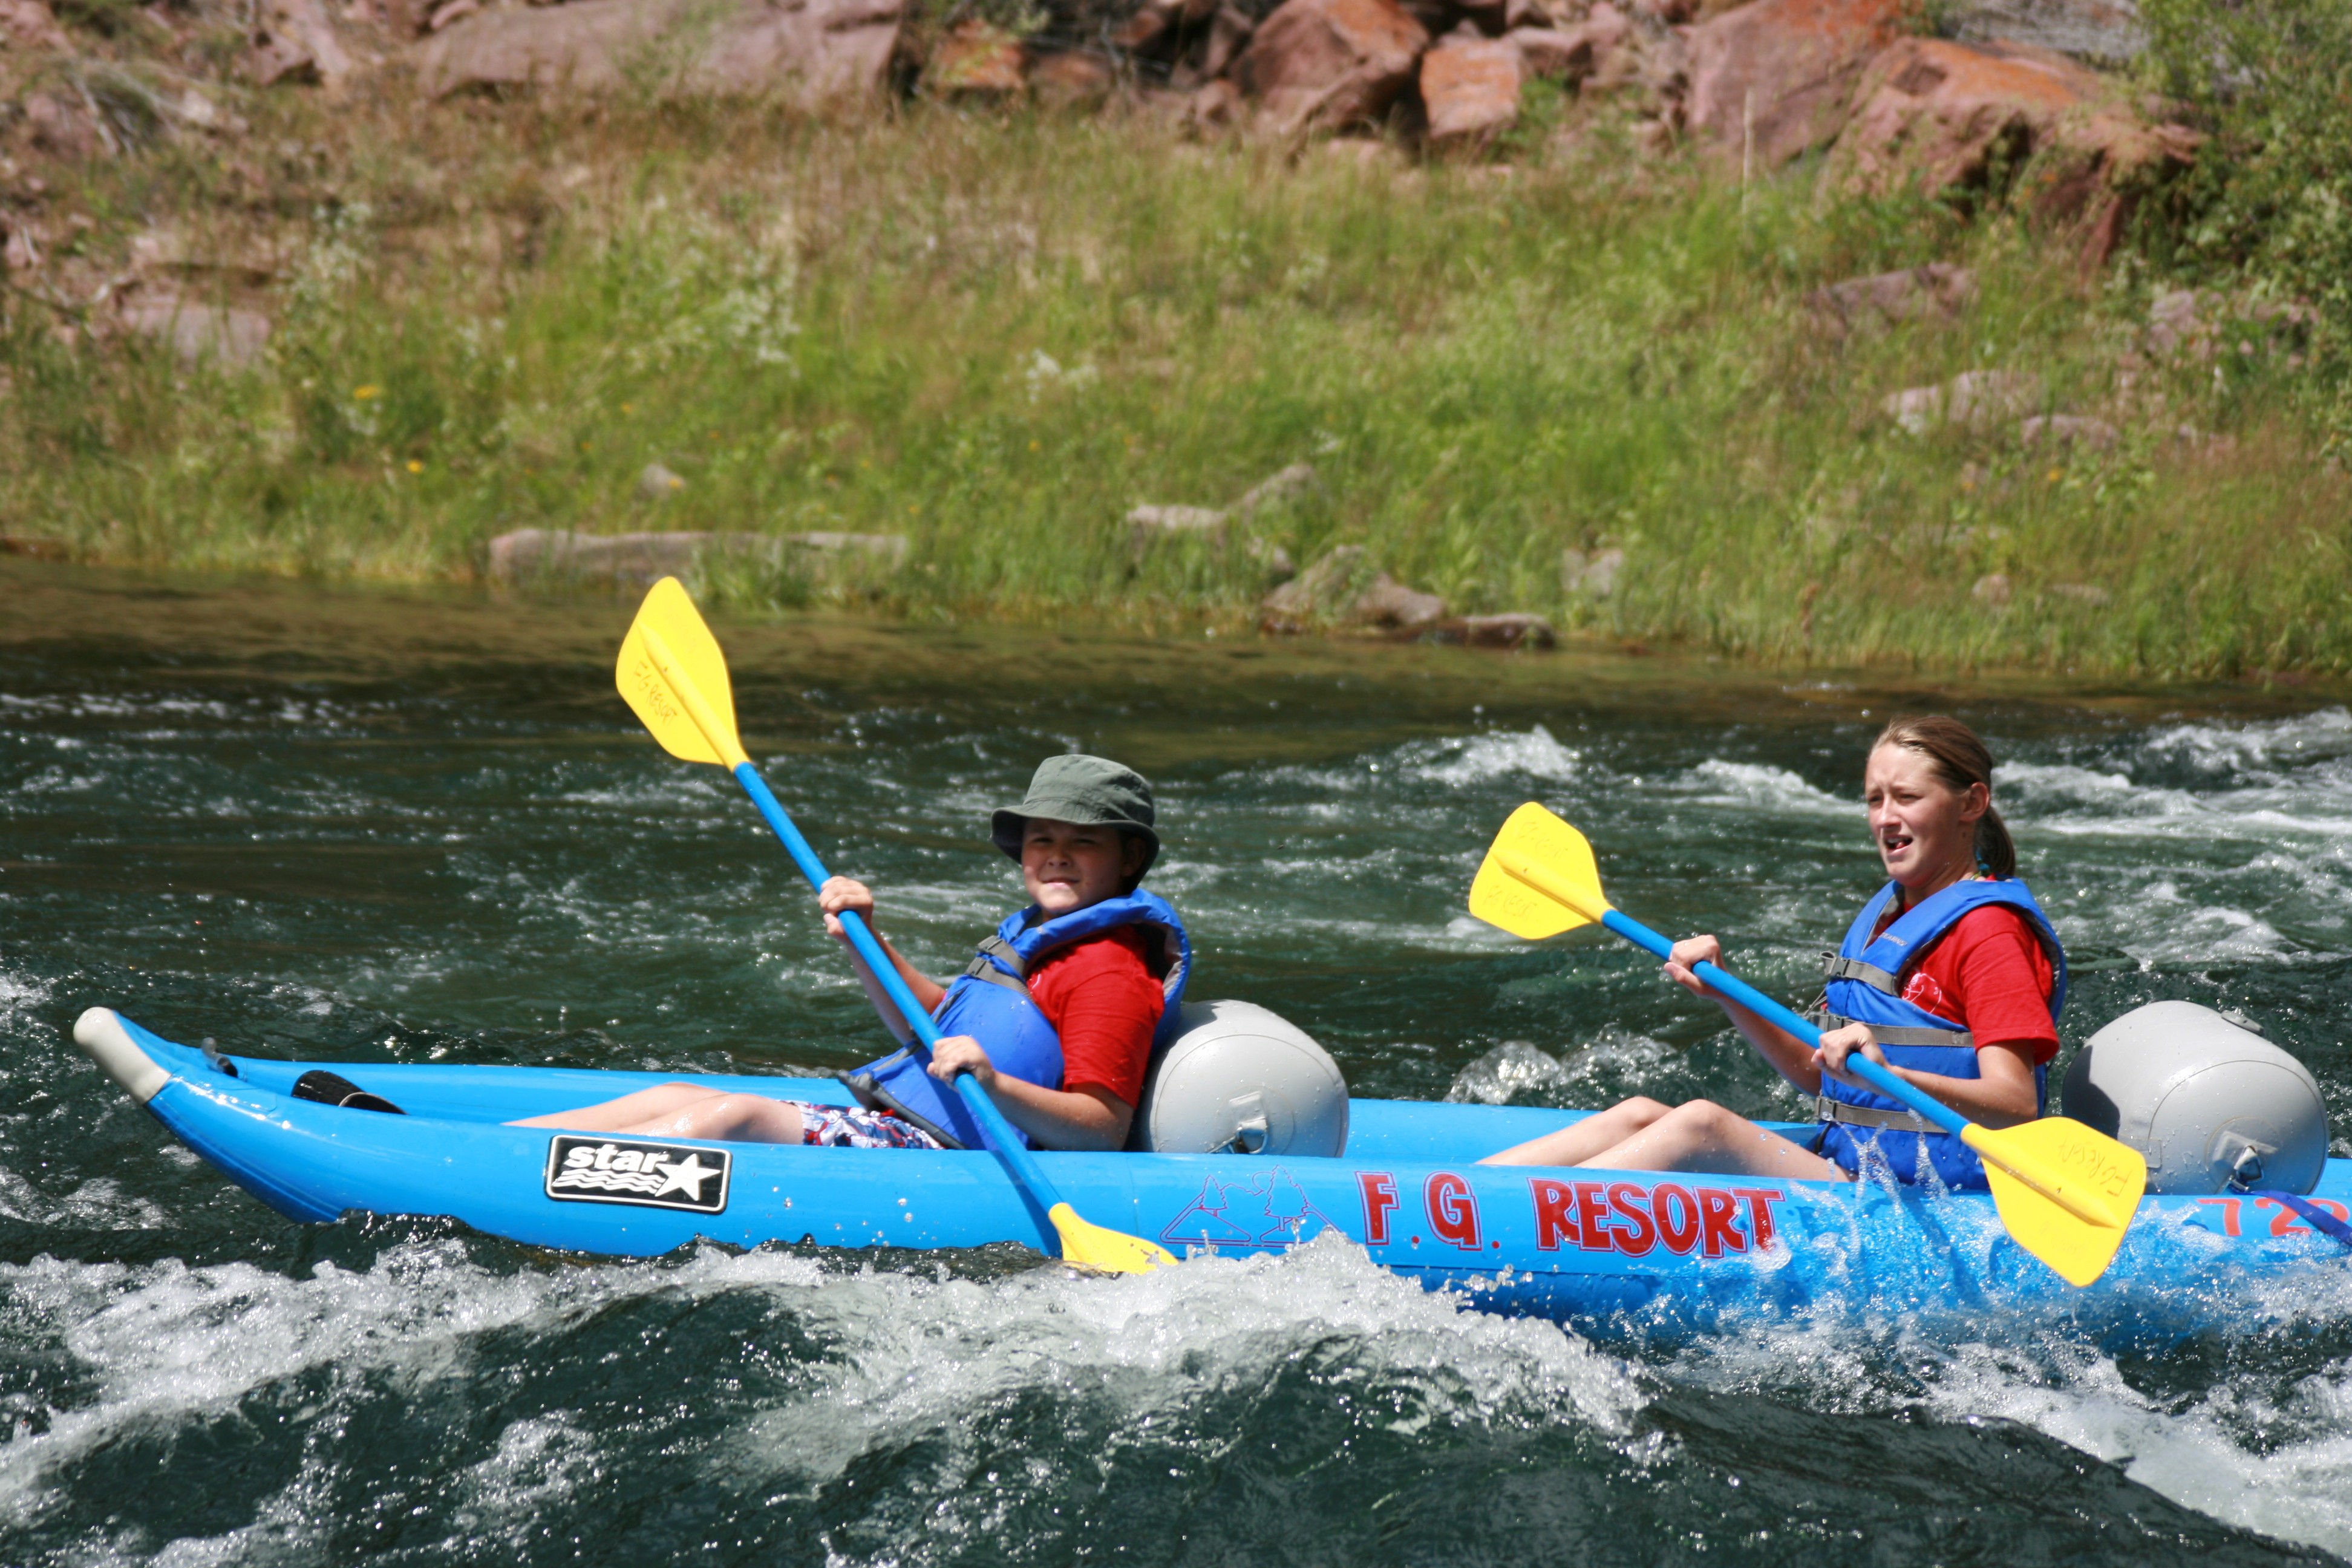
x=1579, y=1142
x=1704, y=1137
x=620, y=1115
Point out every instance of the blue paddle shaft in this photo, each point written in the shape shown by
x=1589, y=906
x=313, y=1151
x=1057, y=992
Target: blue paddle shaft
x=1747, y=995
x=927, y=1034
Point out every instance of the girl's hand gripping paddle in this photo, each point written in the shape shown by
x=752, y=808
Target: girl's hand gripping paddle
x=2065, y=1192
x=674, y=678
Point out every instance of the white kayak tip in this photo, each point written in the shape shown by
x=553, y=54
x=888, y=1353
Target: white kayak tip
x=100, y=1035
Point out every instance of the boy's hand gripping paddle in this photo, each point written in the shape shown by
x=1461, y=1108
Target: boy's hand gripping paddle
x=674, y=676
x=2065, y=1192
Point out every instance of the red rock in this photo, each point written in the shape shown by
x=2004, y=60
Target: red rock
x=1615, y=47
x=1557, y=54
x=1229, y=35
x=1937, y=116
x=1327, y=64
x=1077, y=80
x=824, y=53
x=1471, y=87
x=976, y=60
x=1783, y=70
x=1143, y=29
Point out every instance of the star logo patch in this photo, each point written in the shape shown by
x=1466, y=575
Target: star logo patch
x=588, y=1170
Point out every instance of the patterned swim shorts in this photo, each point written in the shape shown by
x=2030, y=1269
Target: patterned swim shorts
x=851, y=1127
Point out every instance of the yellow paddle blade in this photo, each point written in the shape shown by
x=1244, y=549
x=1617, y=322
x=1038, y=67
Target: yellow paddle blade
x=1090, y=1246
x=673, y=675
x=1539, y=879
x=2066, y=1193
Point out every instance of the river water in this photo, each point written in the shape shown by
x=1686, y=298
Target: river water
x=408, y=830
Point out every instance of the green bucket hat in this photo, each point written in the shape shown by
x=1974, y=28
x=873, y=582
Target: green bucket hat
x=1094, y=791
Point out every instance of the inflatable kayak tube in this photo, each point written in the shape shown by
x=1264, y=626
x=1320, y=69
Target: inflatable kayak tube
x=1566, y=1244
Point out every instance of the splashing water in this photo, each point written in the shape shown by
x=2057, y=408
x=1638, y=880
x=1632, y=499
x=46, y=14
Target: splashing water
x=466, y=853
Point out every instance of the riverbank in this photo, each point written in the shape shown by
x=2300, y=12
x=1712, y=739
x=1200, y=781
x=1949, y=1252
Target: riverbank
x=998, y=336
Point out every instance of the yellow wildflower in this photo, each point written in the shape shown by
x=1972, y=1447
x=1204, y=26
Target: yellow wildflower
x=362, y=394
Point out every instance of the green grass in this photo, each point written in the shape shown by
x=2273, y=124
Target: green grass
x=997, y=335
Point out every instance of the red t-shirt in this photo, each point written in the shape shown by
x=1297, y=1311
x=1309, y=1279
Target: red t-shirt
x=1105, y=1005
x=1988, y=973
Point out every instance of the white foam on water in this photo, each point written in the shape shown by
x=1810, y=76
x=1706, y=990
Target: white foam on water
x=1468, y=761
x=20, y=995
x=925, y=1357
x=164, y=1340
x=2304, y=738
x=2265, y=1449
x=1517, y=1067
x=1757, y=786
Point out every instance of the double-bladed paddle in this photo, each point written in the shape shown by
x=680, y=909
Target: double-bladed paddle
x=674, y=678
x=2065, y=1192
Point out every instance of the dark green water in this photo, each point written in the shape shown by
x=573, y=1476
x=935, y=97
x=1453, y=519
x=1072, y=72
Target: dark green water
x=410, y=830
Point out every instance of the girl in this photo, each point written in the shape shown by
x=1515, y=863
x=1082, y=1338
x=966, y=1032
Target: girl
x=1056, y=1016
x=1951, y=976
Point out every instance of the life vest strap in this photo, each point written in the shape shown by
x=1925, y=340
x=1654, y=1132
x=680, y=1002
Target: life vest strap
x=1837, y=1110
x=1835, y=967
x=997, y=949
x=1903, y=1033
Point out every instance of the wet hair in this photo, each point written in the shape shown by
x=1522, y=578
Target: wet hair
x=1960, y=760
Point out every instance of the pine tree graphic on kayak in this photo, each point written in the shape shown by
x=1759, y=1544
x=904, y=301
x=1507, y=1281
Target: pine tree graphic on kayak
x=1268, y=1210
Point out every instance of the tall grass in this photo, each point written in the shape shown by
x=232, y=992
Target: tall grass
x=998, y=335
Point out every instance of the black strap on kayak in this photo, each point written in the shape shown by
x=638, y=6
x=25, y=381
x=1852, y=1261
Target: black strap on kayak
x=874, y=1097
x=333, y=1088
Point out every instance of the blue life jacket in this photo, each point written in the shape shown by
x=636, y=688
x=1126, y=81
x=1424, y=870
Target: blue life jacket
x=1867, y=976
x=991, y=1002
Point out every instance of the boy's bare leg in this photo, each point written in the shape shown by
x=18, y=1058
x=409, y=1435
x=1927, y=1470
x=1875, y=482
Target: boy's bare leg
x=620, y=1115
x=726, y=1119
x=1580, y=1141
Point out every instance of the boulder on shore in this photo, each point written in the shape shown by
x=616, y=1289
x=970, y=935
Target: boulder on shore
x=1324, y=65
x=1772, y=79
x=1938, y=290
x=1470, y=85
x=1389, y=605
x=976, y=60
x=1939, y=116
x=811, y=53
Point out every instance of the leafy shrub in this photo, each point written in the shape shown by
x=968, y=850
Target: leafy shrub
x=2270, y=204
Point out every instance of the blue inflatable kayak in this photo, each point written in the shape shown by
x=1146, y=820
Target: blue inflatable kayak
x=1567, y=1243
